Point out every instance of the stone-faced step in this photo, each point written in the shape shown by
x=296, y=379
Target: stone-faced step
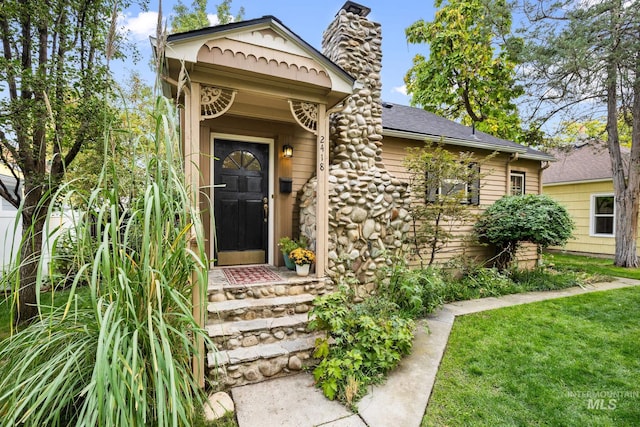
x=258, y=363
x=245, y=333
x=218, y=292
x=250, y=309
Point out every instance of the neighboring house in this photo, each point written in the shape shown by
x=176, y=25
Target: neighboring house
x=581, y=180
x=283, y=140
x=10, y=224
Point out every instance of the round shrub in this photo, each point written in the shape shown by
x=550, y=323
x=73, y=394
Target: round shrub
x=529, y=218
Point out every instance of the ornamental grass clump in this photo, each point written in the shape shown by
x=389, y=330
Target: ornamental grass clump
x=302, y=256
x=122, y=356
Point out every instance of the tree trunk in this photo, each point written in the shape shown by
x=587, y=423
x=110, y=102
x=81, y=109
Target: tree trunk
x=626, y=231
x=33, y=220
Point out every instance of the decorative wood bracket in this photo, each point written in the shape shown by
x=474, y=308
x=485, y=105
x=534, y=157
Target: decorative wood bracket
x=306, y=114
x=215, y=101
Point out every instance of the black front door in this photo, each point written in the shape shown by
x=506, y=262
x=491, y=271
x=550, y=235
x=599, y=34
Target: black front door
x=241, y=203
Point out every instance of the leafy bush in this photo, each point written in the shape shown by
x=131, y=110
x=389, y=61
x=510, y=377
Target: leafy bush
x=529, y=218
x=368, y=340
x=417, y=292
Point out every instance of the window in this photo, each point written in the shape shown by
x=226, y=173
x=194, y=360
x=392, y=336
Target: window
x=450, y=187
x=603, y=215
x=517, y=187
x=241, y=159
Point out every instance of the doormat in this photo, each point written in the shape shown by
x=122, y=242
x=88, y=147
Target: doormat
x=250, y=275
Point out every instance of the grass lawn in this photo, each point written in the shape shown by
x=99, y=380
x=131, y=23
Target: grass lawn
x=59, y=299
x=587, y=264
x=546, y=363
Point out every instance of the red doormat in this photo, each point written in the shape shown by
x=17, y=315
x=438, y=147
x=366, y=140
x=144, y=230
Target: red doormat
x=250, y=275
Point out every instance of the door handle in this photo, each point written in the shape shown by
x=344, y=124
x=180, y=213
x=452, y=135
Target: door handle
x=265, y=208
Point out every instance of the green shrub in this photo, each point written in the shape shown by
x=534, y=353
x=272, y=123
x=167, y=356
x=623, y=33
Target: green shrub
x=529, y=218
x=368, y=340
x=417, y=292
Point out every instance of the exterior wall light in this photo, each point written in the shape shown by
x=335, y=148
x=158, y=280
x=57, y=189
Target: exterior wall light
x=287, y=151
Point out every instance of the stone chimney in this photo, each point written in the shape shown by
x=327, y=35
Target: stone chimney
x=368, y=217
x=355, y=44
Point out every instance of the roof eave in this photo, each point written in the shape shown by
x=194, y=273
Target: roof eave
x=580, y=181
x=522, y=152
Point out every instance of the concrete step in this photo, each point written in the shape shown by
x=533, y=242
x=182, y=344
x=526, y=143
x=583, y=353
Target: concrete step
x=219, y=291
x=246, y=333
x=247, y=365
x=250, y=309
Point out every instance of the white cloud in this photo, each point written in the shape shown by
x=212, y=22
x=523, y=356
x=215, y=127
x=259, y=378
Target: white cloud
x=213, y=19
x=140, y=26
x=400, y=89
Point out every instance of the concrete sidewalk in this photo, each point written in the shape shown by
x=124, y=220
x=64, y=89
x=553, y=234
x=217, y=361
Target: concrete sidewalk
x=402, y=399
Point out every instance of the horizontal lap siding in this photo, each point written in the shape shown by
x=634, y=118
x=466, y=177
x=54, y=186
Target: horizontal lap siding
x=493, y=187
x=577, y=199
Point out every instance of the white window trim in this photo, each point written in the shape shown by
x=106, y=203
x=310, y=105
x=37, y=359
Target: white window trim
x=592, y=216
x=523, y=175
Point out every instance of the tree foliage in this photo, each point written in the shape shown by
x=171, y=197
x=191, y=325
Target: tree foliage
x=196, y=17
x=583, y=61
x=54, y=73
x=445, y=185
x=469, y=75
x=513, y=220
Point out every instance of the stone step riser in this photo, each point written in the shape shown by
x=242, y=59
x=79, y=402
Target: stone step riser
x=268, y=291
x=258, y=363
x=261, y=370
x=248, y=339
x=244, y=310
x=251, y=313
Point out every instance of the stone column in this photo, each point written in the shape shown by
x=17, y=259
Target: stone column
x=367, y=211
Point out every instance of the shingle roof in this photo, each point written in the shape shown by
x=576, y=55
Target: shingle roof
x=402, y=118
x=584, y=162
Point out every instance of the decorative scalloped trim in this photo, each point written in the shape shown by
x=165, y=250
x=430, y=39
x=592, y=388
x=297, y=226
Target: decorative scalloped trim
x=215, y=101
x=306, y=114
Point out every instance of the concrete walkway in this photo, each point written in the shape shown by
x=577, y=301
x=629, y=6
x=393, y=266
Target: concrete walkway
x=402, y=399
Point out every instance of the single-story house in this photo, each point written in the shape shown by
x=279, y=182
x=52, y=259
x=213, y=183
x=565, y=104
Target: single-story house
x=581, y=180
x=282, y=140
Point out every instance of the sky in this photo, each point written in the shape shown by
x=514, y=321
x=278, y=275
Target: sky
x=308, y=20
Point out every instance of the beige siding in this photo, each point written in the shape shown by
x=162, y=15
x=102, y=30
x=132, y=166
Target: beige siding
x=493, y=186
x=577, y=199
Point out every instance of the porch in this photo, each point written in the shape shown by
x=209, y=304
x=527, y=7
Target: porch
x=257, y=317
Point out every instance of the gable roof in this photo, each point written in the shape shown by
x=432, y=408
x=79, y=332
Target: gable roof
x=415, y=123
x=268, y=21
x=582, y=163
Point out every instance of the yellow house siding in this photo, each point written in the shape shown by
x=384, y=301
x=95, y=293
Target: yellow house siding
x=577, y=199
x=493, y=186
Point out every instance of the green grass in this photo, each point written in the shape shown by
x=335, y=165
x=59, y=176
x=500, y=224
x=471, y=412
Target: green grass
x=543, y=364
x=59, y=299
x=603, y=266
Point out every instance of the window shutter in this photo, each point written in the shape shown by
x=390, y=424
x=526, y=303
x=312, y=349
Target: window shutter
x=431, y=191
x=474, y=185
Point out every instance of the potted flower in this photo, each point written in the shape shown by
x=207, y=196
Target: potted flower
x=302, y=258
x=286, y=245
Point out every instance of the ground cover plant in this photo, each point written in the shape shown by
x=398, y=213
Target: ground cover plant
x=368, y=339
x=547, y=363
